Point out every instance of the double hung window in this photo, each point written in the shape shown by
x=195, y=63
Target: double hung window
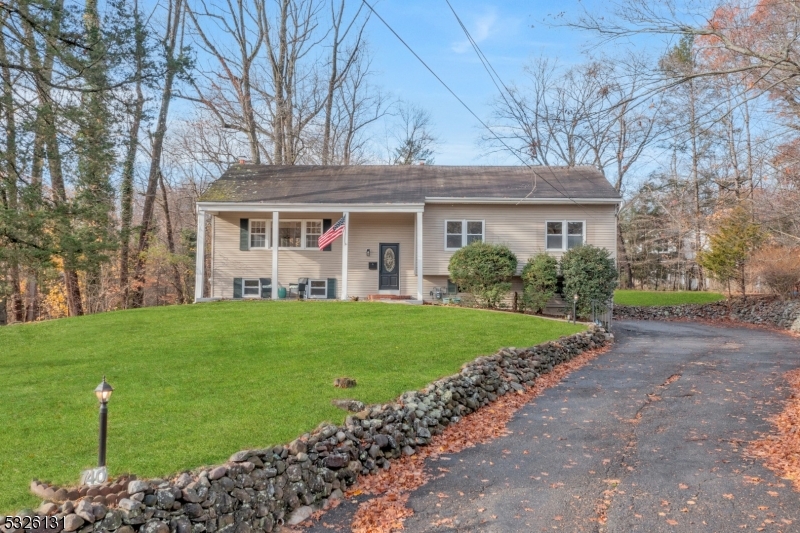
x=258, y=234
x=459, y=233
x=565, y=234
x=313, y=233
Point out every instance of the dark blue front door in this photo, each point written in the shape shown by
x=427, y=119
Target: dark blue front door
x=389, y=270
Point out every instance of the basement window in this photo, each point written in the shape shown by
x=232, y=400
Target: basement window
x=251, y=288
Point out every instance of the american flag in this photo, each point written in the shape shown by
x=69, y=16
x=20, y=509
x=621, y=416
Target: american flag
x=336, y=231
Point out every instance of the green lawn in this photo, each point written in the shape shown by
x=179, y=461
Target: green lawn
x=195, y=383
x=655, y=298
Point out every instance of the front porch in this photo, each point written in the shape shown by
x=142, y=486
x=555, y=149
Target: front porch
x=380, y=252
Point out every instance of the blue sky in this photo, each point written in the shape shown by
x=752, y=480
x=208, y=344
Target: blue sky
x=509, y=33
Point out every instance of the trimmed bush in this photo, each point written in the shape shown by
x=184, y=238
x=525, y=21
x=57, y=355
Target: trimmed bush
x=590, y=273
x=539, y=279
x=484, y=270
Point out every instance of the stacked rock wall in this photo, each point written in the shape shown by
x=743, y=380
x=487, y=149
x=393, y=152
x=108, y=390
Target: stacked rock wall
x=257, y=490
x=761, y=310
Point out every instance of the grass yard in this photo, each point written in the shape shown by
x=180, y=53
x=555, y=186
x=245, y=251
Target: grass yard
x=195, y=383
x=656, y=298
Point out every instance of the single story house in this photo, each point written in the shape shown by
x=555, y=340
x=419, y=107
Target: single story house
x=402, y=224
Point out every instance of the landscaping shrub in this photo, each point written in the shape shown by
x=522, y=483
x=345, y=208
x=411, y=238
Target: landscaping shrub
x=539, y=279
x=484, y=270
x=590, y=273
x=731, y=248
x=779, y=268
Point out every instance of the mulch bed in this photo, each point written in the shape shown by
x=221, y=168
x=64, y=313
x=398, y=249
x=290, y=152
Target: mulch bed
x=387, y=510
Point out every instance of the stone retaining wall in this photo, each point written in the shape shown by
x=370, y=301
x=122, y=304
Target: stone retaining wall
x=257, y=490
x=761, y=310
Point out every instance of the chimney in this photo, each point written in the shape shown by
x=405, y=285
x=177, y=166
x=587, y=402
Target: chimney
x=421, y=162
x=243, y=160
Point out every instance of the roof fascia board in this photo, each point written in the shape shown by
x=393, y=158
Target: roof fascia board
x=445, y=200
x=228, y=207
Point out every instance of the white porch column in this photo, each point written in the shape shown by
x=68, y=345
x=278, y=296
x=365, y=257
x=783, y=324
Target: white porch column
x=275, y=224
x=200, y=265
x=345, y=238
x=419, y=256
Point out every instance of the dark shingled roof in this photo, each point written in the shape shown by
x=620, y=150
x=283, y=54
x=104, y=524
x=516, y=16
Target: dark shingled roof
x=395, y=184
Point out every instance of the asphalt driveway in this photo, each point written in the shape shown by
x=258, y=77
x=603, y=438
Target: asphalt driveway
x=648, y=437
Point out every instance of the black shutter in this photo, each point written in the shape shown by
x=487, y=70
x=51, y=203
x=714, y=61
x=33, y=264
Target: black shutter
x=244, y=234
x=326, y=225
x=237, y=287
x=331, y=288
x=266, y=287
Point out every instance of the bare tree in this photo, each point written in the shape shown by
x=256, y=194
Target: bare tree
x=590, y=114
x=228, y=89
x=757, y=37
x=173, y=63
x=413, y=135
x=128, y=169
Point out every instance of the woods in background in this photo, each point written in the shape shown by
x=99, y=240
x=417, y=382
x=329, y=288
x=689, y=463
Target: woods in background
x=99, y=174
x=116, y=116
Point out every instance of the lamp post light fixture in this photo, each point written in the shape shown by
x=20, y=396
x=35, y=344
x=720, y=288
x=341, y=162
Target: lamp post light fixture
x=574, y=305
x=103, y=393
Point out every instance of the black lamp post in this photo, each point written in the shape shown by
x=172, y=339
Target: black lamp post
x=103, y=393
x=574, y=305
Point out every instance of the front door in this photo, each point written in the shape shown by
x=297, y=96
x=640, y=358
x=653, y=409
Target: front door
x=389, y=267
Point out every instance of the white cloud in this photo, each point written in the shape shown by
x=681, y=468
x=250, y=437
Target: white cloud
x=481, y=29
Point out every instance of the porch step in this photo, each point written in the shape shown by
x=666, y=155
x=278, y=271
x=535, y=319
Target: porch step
x=378, y=297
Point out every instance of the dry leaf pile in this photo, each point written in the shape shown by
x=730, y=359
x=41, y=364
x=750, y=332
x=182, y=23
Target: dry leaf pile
x=387, y=511
x=780, y=451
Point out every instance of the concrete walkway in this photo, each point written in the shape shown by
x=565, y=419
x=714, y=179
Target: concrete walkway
x=648, y=437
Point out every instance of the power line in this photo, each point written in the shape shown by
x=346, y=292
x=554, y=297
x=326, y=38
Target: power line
x=536, y=174
x=487, y=65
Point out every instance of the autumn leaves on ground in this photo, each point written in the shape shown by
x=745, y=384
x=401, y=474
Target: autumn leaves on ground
x=780, y=450
x=391, y=488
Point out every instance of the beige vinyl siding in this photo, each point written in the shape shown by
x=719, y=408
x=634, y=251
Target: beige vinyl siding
x=229, y=262
x=521, y=228
x=367, y=230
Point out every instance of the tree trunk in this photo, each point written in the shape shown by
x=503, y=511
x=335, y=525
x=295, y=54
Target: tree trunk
x=696, y=181
x=173, y=31
x=332, y=81
x=177, y=281
x=126, y=207
x=9, y=166
x=623, y=258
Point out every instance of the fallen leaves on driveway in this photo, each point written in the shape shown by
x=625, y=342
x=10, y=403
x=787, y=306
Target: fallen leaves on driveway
x=386, y=512
x=780, y=451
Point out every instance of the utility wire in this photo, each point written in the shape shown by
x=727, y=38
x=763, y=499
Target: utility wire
x=487, y=65
x=536, y=174
x=495, y=77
